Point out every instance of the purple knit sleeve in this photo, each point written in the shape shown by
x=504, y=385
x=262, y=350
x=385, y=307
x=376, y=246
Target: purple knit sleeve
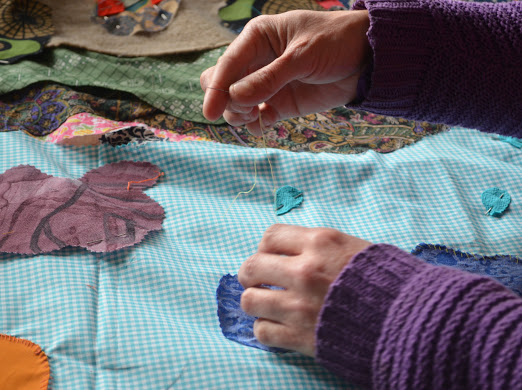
x=452, y=62
x=391, y=321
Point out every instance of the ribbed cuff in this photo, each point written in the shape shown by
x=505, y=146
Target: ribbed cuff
x=401, y=37
x=356, y=306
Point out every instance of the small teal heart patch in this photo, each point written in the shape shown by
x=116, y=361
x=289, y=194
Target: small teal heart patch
x=496, y=201
x=287, y=198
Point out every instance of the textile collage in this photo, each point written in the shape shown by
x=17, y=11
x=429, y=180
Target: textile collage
x=118, y=209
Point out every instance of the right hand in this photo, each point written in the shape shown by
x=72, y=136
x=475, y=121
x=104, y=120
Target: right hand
x=291, y=64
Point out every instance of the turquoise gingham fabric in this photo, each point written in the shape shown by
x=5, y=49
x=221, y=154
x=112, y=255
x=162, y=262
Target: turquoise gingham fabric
x=145, y=317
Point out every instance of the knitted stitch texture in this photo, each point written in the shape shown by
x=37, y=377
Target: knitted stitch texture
x=391, y=321
x=452, y=62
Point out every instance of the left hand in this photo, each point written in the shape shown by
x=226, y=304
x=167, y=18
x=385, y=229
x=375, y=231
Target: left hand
x=304, y=261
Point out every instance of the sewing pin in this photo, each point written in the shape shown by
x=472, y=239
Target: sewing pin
x=94, y=242
x=295, y=197
x=500, y=197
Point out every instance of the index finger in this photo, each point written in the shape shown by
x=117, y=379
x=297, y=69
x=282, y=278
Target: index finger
x=283, y=239
x=247, y=53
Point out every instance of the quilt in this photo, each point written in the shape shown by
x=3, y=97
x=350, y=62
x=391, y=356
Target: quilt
x=144, y=317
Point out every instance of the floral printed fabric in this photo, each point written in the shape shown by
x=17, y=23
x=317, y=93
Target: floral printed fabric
x=42, y=108
x=87, y=129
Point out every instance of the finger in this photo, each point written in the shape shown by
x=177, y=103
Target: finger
x=283, y=239
x=250, y=50
x=274, y=334
x=266, y=303
x=236, y=108
x=269, y=116
x=239, y=119
x=264, y=83
x=263, y=268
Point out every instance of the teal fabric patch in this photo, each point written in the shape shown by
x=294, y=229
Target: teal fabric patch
x=516, y=142
x=287, y=198
x=496, y=201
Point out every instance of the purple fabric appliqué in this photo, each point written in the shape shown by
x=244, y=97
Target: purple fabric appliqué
x=235, y=324
x=103, y=211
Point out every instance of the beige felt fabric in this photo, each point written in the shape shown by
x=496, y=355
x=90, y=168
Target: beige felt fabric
x=195, y=27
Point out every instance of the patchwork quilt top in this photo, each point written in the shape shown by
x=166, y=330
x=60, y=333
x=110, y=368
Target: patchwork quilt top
x=144, y=317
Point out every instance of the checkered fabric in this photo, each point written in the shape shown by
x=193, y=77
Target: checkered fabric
x=145, y=317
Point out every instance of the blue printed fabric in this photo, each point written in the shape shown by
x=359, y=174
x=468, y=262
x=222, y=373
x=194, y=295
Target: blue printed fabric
x=144, y=317
x=235, y=324
x=505, y=269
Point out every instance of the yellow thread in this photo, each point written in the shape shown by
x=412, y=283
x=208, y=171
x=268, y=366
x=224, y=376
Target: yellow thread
x=244, y=192
x=269, y=162
x=255, y=173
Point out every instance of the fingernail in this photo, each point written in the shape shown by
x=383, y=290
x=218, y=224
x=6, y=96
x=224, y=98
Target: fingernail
x=242, y=88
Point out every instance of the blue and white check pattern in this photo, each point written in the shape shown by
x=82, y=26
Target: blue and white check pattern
x=145, y=317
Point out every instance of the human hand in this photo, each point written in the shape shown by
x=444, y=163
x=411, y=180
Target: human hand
x=291, y=64
x=304, y=261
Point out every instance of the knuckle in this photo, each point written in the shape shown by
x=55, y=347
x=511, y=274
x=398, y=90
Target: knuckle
x=268, y=78
x=247, y=300
x=247, y=270
x=257, y=24
x=322, y=236
x=262, y=332
x=305, y=273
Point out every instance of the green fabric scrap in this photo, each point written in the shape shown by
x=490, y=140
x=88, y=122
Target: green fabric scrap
x=18, y=48
x=169, y=83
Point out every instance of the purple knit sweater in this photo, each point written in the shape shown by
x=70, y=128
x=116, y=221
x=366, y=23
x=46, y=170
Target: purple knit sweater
x=391, y=321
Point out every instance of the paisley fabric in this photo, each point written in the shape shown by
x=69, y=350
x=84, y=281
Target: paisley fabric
x=103, y=211
x=43, y=108
x=335, y=131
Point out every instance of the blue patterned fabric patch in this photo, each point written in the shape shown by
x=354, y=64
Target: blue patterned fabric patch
x=287, y=198
x=505, y=269
x=235, y=324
